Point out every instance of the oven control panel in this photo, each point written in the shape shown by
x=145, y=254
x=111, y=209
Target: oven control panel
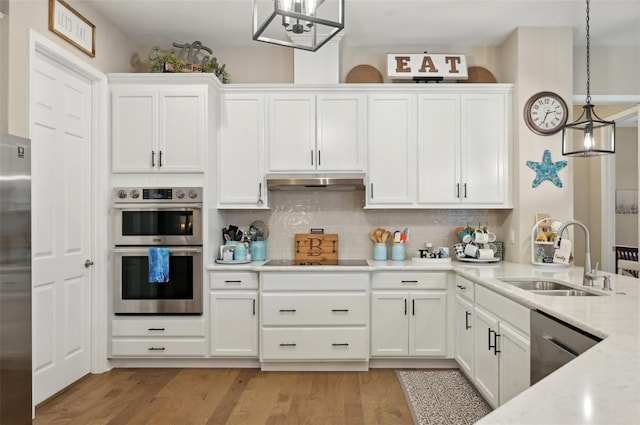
x=157, y=194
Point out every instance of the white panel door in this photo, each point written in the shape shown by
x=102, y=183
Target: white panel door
x=182, y=115
x=515, y=363
x=464, y=335
x=234, y=324
x=241, y=152
x=391, y=150
x=428, y=324
x=341, y=132
x=389, y=323
x=292, y=132
x=61, y=219
x=484, y=149
x=486, y=372
x=439, y=149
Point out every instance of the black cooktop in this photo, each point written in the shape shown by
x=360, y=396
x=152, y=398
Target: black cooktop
x=352, y=263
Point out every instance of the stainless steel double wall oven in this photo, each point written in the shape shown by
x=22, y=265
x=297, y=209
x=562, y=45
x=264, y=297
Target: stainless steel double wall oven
x=168, y=218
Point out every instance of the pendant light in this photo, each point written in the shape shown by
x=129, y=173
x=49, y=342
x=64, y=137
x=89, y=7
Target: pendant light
x=300, y=24
x=589, y=135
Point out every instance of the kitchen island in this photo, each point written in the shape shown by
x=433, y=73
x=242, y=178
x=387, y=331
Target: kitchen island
x=601, y=386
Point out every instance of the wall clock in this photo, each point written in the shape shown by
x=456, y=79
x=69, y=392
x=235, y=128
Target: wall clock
x=545, y=113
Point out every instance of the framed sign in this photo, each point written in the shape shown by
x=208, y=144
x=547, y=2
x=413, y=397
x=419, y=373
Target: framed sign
x=65, y=21
x=441, y=66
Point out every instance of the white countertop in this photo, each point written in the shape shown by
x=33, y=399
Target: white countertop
x=602, y=386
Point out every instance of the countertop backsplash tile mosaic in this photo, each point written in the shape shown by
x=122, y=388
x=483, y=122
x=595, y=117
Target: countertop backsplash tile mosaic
x=342, y=213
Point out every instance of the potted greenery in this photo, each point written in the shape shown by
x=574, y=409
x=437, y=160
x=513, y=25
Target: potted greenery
x=168, y=62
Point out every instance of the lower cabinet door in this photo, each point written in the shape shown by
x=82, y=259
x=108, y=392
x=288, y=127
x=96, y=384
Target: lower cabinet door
x=515, y=357
x=486, y=368
x=389, y=323
x=234, y=324
x=428, y=323
x=464, y=336
x=314, y=343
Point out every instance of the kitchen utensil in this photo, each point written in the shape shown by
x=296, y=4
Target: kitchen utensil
x=372, y=235
x=258, y=231
x=239, y=235
x=385, y=236
x=396, y=236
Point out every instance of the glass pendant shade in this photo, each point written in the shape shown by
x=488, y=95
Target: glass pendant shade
x=301, y=24
x=589, y=135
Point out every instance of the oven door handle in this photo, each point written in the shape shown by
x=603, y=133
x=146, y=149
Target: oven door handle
x=157, y=206
x=172, y=249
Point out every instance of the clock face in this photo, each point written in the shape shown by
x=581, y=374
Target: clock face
x=545, y=113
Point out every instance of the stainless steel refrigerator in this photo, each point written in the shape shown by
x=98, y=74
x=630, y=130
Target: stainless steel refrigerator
x=15, y=280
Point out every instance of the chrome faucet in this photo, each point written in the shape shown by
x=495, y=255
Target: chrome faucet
x=589, y=275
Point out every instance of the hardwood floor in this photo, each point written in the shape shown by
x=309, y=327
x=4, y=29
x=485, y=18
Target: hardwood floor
x=228, y=396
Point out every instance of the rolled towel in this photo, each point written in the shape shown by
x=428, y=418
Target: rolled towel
x=158, y=265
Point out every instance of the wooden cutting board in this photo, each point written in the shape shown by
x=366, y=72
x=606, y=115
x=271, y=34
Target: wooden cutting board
x=316, y=247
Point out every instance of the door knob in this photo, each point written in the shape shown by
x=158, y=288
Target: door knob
x=88, y=263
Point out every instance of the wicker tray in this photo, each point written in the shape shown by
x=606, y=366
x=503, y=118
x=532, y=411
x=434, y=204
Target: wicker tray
x=478, y=74
x=364, y=74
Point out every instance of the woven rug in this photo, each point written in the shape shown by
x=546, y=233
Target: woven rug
x=441, y=397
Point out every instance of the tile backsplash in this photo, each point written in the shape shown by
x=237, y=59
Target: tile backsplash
x=343, y=213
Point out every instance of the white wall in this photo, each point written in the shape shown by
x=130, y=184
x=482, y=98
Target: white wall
x=113, y=51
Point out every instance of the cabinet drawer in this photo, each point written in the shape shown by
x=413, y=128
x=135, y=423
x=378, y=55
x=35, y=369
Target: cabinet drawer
x=409, y=280
x=314, y=309
x=159, y=328
x=507, y=310
x=465, y=288
x=314, y=343
x=233, y=280
x=157, y=347
x=316, y=281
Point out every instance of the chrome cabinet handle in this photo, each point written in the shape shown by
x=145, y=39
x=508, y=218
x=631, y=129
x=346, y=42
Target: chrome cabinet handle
x=461, y=287
x=254, y=306
x=156, y=348
x=465, y=191
x=495, y=344
x=413, y=307
x=156, y=329
x=458, y=190
x=466, y=320
x=292, y=310
x=311, y=157
x=408, y=281
x=340, y=310
x=287, y=344
x=371, y=196
x=319, y=158
x=489, y=335
x=88, y=263
x=153, y=158
x=340, y=344
x=260, y=201
x=160, y=164
x=405, y=306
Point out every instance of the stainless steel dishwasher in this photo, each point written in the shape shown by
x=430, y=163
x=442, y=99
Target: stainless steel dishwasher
x=555, y=343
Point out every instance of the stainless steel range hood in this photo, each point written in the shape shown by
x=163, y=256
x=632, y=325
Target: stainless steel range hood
x=336, y=182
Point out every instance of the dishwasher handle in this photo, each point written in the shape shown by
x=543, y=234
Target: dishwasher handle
x=558, y=344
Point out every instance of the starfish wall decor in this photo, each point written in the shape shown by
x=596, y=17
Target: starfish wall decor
x=546, y=170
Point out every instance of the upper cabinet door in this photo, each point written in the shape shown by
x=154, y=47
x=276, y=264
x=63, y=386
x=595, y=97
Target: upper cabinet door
x=391, y=150
x=182, y=117
x=241, y=152
x=485, y=149
x=158, y=129
x=134, y=129
x=341, y=132
x=439, y=149
x=292, y=133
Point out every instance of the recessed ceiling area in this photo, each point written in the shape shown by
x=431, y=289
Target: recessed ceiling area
x=227, y=23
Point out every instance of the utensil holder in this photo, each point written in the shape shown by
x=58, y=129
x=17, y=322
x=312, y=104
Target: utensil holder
x=258, y=250
x=380, y=252
x=398, y=252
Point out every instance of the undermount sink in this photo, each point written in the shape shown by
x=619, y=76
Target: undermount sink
x=547, y=287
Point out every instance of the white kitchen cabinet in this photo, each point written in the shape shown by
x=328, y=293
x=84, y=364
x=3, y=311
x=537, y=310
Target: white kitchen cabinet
x=464, y=335
x=233, y=319
x=234, y=323
x=157, y=337
x=409, y=324
x=391, y=150
x=318, y=133
x=314, y=317
x=463, y=150
x=241, y=152
x=502, y=347
x=409, y=314
x=158, y=128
